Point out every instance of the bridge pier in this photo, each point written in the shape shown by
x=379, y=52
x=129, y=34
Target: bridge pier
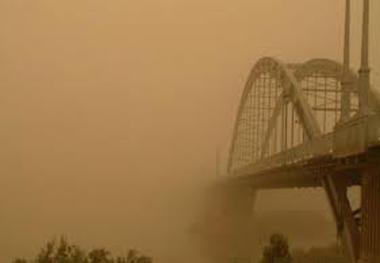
x=226, y=227
x=336, y=190
x=370, y=238
x=238, y=208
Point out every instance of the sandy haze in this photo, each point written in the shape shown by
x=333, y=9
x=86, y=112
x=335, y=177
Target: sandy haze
x=111, y=112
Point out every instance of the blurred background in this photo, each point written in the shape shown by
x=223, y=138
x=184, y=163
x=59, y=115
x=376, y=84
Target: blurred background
x=113, y=113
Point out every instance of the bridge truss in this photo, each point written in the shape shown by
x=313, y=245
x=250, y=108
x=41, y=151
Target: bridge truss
x=284, y=108
x=315, y=124
x=287, y=134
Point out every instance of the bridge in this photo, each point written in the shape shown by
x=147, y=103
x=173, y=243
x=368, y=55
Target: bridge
x=312, y=124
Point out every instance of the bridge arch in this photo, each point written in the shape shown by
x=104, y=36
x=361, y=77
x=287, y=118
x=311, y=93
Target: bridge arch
x=271, y=96
x=321, y=82
x=284, y=105
x=286, y=120
x=334, y=70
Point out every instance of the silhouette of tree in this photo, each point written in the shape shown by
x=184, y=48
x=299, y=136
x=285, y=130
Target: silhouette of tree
x=63, y=252
x=277, y=251
x=99, y=256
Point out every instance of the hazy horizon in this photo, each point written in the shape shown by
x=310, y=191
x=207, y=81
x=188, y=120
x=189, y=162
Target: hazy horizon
x=112, y=111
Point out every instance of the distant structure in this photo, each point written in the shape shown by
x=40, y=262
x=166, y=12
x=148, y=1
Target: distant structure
x=315, y=124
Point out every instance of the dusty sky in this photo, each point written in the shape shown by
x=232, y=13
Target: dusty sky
x=111, y=110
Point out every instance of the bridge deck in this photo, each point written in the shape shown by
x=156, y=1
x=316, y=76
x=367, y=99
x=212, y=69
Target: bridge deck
x=307, y=173
x=306, y=164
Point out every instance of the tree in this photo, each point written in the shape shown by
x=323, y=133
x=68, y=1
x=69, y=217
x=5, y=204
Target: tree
x=64, y=252
x=277, y=251
x=99, y=256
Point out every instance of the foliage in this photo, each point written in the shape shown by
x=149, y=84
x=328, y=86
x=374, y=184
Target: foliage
x=277, y=251
x=63, y=252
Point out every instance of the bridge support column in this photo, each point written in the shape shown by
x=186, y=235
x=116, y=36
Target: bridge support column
x=370, y=239
x=336, y=189
x=238, y=209
x=226, y=226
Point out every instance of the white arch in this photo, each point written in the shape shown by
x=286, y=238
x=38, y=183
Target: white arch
x=291, y=91
x=334, y=69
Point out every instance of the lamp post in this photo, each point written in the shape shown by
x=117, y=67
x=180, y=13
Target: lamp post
x=364, y=72
x=346, y=81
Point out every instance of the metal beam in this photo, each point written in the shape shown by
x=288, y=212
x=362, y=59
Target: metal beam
x=272, y=123
x=348, y=230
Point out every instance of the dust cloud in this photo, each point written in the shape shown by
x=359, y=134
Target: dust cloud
x=112, y=112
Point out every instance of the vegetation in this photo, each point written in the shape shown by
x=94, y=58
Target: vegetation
x=63, y=252
x=277, y=251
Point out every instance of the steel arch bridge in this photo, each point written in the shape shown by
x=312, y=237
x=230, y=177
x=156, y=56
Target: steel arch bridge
x=289, y=132
x=288, y=113
x=312, y=124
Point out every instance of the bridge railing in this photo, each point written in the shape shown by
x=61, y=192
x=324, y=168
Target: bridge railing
x=311, y=149
x=351, y=138
x=356, y=135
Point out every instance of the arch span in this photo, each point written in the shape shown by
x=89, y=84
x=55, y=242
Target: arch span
x=271, y=97
x=285, y=105
x=287, y=115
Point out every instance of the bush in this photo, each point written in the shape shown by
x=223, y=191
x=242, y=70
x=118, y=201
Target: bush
x=63, y=252
x=277, y=250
